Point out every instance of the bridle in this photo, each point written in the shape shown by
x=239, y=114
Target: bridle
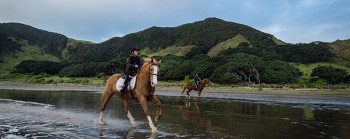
x=149, y=71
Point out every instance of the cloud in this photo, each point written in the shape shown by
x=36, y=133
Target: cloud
x=273, y=29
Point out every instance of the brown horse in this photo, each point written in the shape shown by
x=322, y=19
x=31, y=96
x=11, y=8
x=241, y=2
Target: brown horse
x=200, y=87
x=146, y=82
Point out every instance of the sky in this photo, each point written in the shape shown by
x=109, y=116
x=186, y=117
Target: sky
x=292, y=21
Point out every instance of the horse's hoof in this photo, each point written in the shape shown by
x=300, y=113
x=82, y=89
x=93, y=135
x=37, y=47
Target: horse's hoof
x=102, y=123
x=157, y=118
x=154, y=130
x=133, y=123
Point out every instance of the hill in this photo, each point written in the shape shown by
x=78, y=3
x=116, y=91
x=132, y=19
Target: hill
x=207, y=34
x=212, y=47
x=162, y=40
x=12, y=36
x=342, y=49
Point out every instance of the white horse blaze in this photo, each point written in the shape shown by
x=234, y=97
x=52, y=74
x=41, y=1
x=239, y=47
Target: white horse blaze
x=155, y=70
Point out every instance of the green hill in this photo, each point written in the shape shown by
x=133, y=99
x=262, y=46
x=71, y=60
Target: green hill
x=342, y=49
x=190, y=46
x=207, y=33
x=230, y=43
x=162, y=40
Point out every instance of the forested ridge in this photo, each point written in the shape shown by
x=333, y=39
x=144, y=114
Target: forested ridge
x=260, y=60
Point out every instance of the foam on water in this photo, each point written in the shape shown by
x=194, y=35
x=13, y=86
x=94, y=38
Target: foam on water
x=22, y=119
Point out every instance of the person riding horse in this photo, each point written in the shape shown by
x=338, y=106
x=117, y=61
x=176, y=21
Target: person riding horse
x=196, y=79
x=132, y=67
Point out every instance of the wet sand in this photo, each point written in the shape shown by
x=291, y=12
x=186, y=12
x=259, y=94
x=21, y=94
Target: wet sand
x=283, y=96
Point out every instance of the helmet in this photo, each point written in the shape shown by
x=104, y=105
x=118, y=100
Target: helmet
x=133, y=49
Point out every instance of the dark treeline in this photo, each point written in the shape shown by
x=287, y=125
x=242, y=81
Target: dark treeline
x=240, y=65
x=299, y=53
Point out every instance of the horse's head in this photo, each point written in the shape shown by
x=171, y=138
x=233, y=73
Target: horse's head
x=207, y=81
x=153, y=70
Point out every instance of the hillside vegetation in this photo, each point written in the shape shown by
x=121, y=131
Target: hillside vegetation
x=342, y=49
x=226, y=52
x=27, y=52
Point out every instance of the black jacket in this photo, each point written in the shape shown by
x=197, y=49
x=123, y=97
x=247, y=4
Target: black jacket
x=131, y=63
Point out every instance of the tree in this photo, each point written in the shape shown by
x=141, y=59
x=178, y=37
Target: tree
x=278, y=72
x=37, y=67
x=331, y=74
x=240, y=68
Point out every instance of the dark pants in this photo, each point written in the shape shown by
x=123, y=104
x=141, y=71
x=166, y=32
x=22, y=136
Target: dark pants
x=127, y=79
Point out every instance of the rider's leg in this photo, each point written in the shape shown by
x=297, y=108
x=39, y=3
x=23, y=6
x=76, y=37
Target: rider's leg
x=127, y=78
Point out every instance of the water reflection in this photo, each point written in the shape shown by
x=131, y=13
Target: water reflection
x=75, y=114
x=194, y=116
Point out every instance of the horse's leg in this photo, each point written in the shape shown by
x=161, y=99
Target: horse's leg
x=126, y=108
x=183, y=89
x=105, y=98
x=188, y=93
x=156, y=101
x=199, y=94
x=143, y=102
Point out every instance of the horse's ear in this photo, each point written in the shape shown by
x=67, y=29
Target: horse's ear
x=152, y=60
x=160, y=61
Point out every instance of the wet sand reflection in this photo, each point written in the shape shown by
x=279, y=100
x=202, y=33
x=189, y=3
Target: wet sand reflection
x=194, y=116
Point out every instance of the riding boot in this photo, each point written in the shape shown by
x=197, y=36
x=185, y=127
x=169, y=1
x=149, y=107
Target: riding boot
x=127, y=78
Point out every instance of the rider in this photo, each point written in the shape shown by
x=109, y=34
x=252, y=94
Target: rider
x=132, y=66
x=196, y=79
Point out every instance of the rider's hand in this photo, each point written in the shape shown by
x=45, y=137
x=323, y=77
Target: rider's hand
x=136, y=66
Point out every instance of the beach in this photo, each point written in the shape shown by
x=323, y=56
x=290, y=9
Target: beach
x=340, y=97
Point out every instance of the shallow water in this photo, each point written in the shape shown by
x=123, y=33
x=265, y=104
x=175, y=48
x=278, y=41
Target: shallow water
x=74, y=114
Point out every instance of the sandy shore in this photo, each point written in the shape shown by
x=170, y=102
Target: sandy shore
x=247, y=94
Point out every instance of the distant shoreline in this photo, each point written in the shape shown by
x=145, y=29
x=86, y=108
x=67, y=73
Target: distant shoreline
x=282, y=96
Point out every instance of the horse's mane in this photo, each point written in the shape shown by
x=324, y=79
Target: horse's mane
x=149, y=61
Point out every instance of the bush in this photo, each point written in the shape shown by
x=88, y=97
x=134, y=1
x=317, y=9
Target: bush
x=330, y=74
x=37, y=67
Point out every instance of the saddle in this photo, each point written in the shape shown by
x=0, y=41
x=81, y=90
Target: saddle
x=194, y=84
x=131, y=84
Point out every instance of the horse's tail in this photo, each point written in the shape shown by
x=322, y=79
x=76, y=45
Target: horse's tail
x=183, y=89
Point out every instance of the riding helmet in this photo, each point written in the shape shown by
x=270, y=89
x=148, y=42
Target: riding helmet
x=133, y=49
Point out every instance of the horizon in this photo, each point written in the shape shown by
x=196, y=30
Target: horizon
x=298, y=21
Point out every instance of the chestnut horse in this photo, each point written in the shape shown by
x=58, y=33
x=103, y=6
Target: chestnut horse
x=146, y=82
x=200, y=87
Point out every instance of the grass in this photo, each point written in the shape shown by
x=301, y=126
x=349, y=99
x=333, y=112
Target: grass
x=278, y=42
x=307, y=68
x=49, y=79
x=174, y=50
x=174, y=85
x=230, y=43
x=27, y=52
